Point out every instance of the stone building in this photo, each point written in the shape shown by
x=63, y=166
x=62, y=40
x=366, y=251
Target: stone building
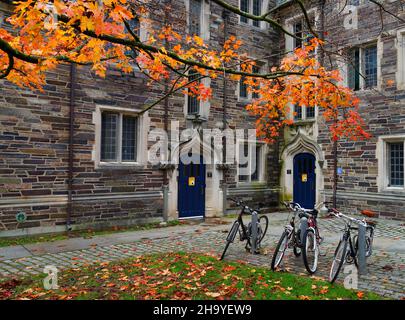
x=76, y=154
x=360, y=37
x=91, y=130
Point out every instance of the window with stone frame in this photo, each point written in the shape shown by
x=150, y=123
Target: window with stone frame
x=118, y=137
x=395, y=163
x=254, y=7
x=299, y=27
x=243, y=92
x=362, y=69
x=194, y=17
x=303, y=112
x=356, y=2
x=250, y=162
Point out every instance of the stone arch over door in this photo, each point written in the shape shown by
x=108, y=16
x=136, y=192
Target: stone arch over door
x=213, y=192
x=301, y=143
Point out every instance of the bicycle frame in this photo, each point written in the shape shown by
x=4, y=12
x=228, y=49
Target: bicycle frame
x=235, y=228
x=292, y=233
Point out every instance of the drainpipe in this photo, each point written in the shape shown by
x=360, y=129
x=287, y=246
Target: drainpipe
x=166, y=128
x=70, y=146
x=225, y=16
x=335, y=143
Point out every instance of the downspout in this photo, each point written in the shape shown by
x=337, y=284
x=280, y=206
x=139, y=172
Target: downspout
x=70, y=146
x=166, y=128
x=335, y=142
x=225, y=16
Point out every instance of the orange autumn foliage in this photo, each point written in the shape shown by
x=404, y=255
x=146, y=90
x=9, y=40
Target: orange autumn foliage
x=95, y=33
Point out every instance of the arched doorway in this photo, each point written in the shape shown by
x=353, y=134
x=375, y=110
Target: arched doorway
x=301, y=143
x=191, y=187
x=304, y=191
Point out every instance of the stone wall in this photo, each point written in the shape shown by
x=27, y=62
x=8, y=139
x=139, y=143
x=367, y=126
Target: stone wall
x=34, y=132
x=382, y=108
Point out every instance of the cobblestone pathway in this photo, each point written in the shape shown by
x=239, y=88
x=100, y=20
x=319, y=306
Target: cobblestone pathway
x=386, y=267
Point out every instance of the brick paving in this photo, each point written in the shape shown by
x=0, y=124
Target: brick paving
x=386, y=266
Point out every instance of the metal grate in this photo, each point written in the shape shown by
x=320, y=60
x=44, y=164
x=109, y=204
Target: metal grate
x=244, y=6
x=257, y=11
x=129, y=125
x=109, y=124
x=396, y=164
x=370, y=66
x=195, y=17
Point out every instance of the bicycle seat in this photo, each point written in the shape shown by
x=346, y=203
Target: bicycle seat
x=371, y=223
x=313, y=212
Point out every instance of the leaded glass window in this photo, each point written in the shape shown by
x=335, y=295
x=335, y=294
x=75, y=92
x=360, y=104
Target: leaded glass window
x=257, y=11
x=310, y=112
x=109, y=130
x=193, y=104
x=244, y=6
x=118, y=137
x=257, y=162
x=354, y=69
x=297, y=112
x=243, y=162
x=128, y=138
x=256, y=70
x=243, y=93
x=396, y=164
x=370, y=66
x=195, y=17
x=250, y=163
x=298, y=33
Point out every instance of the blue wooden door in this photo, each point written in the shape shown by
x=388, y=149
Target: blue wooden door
x=304, y=180
x=191, y=192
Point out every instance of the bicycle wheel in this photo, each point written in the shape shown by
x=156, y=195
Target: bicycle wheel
x=338, y=260
x=226, y=248
x=265, y=225
x=297, y=249
x=230, y=238
x=369, y=241
x=280, y=251
x=310, y=251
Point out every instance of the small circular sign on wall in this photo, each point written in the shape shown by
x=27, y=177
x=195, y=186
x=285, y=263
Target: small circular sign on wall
x=21, y=216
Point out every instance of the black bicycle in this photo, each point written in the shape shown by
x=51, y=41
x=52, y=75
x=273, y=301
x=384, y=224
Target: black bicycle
x=347, y=249
x=245, y=231
x=291, y=237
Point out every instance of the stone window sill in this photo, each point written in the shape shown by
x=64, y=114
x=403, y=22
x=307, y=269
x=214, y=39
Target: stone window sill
x=119, y=165
x=304, y=122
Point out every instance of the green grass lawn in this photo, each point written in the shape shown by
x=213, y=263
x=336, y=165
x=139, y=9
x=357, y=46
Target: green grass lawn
x=178, y=276
x=12, y=241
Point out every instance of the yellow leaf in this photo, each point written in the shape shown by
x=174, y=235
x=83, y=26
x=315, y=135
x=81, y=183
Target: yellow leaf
x=213, y=294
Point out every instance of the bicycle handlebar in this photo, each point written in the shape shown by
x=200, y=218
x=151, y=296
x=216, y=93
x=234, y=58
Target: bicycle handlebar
x=240, y=203
x=339, y=214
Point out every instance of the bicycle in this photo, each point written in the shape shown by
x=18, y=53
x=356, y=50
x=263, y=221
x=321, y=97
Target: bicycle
x=302, y=241
x=347, y=249
x=245, y=231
